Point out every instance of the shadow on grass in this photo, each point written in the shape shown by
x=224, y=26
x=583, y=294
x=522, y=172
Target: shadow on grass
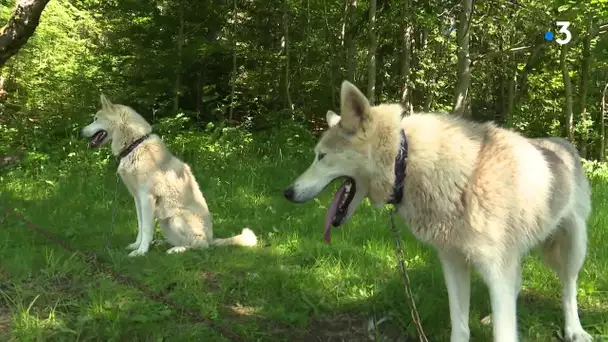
x=291, y=287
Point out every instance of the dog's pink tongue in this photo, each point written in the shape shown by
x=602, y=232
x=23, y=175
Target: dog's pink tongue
x=331, y=212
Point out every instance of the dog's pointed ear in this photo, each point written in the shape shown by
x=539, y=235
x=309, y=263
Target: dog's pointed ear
x=332, y=118
x=355, y=108
x=105, y=102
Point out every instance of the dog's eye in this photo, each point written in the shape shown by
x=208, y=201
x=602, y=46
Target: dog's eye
x=321, y=156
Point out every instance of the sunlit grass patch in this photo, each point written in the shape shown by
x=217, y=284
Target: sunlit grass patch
x=292, y=286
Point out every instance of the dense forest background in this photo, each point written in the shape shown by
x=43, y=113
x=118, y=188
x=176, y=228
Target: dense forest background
x=265, y=64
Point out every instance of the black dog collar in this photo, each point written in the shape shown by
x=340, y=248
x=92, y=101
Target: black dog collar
x=131, y=147
x=400, y=165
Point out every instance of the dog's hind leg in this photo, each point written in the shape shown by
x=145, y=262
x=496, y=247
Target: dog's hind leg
x=501, y=277
x=564, y=252
x=197, y=244
x=457, y=274
x=177, y=249
x=178, y=232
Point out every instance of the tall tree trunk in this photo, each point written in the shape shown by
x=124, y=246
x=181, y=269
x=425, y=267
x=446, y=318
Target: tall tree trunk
x=510, y=92
x=371, y=56
x=351, y=61
x=287, y=81
x=309, y=34
x=464, y=60
x=501, y=106
x=431, y=74
x=199, y=94
x=510, y=66
x=344, y=23
x=603, y=112
x=20, y=27
x=583, y=92
x=522, y=80
x=3, y=93
x=503, y=84
x=406, y=31
x=234, y=68
x=330, y=43
x=345, y=19
x=428, y=101
x=568, y=114
x=178, y=68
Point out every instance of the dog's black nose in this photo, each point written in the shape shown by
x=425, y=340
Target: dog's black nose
x=289, y=193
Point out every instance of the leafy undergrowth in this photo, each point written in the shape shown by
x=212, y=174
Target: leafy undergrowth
x=291, y=287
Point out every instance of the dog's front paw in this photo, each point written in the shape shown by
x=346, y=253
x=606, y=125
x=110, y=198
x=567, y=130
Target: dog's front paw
x=577, y=335
x=133, y=246
x=176, y=249
x=137, y=252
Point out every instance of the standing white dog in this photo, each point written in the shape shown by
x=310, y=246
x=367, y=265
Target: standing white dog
x=483, y=196
x=162, y=185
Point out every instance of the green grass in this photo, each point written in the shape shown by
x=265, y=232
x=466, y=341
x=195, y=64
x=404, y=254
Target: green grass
x=291, y=287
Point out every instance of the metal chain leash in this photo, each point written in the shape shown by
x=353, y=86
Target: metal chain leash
x=406, y=279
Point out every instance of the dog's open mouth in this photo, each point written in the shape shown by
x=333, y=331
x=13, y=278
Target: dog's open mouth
x=338, y=209
x=98, y=138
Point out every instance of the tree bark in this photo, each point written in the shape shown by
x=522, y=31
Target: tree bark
x=428, y=101
x=287, y=81
x=20, y=27
x=178, y=68
x=331, y=54
x=309, y=34
x=351, y=61
x=510, y=94
x=501, y=106
x=504, y=83
x=464, y=59
x=234, y=68
x=568, y=113
x=371, y=56
x=3, y=93
x=199, y=93
x=603, y=112
x=583, y=92
x=344, y=23
x=406, y=21
x=420, y=45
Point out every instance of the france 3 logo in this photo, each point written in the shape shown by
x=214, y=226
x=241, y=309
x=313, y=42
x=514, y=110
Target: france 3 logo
x=563, y=29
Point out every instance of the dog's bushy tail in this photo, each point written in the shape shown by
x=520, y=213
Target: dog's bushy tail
x=246, y=238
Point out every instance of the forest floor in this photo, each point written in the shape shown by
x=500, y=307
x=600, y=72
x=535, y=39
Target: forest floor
x=292, y=287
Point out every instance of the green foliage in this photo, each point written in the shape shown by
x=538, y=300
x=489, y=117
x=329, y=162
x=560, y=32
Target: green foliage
x=596, y=169
x=53, y=81
x=130, y=51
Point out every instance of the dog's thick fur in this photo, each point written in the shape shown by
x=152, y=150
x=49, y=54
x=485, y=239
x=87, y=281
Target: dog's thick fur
x=483, y=196
x=162, y=186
